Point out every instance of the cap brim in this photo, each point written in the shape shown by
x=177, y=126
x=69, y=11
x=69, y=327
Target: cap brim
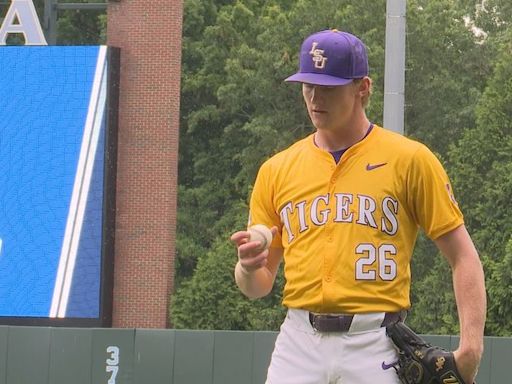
x=318, y=79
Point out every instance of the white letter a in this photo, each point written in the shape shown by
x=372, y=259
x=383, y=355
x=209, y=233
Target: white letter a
x=28, y=23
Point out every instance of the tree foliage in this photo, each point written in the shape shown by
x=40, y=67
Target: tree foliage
x=445, y=72
x=216, y=303
x=482, y=163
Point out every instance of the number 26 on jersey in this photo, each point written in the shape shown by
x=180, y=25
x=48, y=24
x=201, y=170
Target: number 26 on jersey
x=376, y=261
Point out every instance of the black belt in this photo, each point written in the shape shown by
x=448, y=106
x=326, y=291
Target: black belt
x=342, y=323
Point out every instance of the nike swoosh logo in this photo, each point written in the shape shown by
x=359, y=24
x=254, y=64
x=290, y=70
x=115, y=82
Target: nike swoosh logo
x=388, y=366
x=371, y=167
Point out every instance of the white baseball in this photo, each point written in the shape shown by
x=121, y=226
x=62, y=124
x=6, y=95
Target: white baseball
x=261, y=233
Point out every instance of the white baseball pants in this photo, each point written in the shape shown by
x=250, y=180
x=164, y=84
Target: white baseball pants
x=302, y=355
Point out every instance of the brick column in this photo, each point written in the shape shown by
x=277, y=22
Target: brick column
x=149, y=35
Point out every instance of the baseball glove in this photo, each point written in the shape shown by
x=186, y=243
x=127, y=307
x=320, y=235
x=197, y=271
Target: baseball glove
x=420, y=362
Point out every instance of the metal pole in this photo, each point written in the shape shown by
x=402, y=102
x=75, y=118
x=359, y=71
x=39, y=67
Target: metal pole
x=50, y=21
x=83, y=6
x=394, y=76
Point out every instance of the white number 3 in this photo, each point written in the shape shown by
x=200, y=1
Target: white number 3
x=386, y=266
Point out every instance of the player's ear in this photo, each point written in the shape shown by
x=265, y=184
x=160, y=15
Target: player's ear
x=364, y=90
x=364, y=85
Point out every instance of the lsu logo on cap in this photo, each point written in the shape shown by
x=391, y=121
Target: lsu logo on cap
x=318, y=56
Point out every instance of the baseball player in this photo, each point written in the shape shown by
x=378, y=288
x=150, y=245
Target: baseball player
x=345, y=205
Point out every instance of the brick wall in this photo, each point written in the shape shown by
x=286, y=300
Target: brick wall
x=149, y=35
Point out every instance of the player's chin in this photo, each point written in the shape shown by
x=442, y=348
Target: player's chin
x=320, y=125
x=320, y=122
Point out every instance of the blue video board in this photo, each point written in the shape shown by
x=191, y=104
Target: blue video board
x=53, y=129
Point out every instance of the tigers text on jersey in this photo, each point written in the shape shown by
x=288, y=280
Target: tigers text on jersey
x=348, y=230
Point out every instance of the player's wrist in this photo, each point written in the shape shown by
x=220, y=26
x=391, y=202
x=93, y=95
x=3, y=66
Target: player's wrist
x=471, y=347
x=471, y=353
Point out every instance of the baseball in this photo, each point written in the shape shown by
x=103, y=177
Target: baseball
x=261, y=233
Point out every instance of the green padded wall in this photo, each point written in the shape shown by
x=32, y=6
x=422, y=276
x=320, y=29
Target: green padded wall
x=193, y=359
x=28, y=355
x=232, y=347
x=501, y=360
x=154, y=356
x=42, y=355
x=70, y=356
x=263, y=347
x=4, y=332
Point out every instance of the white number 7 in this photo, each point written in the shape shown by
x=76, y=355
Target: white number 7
x=114, y=369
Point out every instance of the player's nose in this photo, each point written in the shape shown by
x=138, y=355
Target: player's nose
x=316, y=94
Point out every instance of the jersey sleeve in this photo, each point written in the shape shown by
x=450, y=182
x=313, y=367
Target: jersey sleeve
x=430, y=195
x=262, y=208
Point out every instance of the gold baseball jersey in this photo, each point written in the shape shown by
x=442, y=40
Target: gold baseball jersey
x=348, y=230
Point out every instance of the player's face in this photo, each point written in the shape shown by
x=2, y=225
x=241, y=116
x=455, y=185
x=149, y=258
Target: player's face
x=331, y=108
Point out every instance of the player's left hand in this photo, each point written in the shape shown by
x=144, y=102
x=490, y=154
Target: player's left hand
x=467, y=363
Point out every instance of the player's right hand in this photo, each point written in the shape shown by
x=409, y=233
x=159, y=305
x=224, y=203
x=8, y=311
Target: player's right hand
x=250, y=256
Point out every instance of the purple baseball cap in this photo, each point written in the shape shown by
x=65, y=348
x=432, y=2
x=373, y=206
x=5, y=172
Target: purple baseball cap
x=331, y=58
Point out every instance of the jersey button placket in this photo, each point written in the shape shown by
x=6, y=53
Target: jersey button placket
x=329, y=237
x=332, y=191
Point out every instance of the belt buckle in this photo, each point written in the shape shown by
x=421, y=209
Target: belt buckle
x=312, y=320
